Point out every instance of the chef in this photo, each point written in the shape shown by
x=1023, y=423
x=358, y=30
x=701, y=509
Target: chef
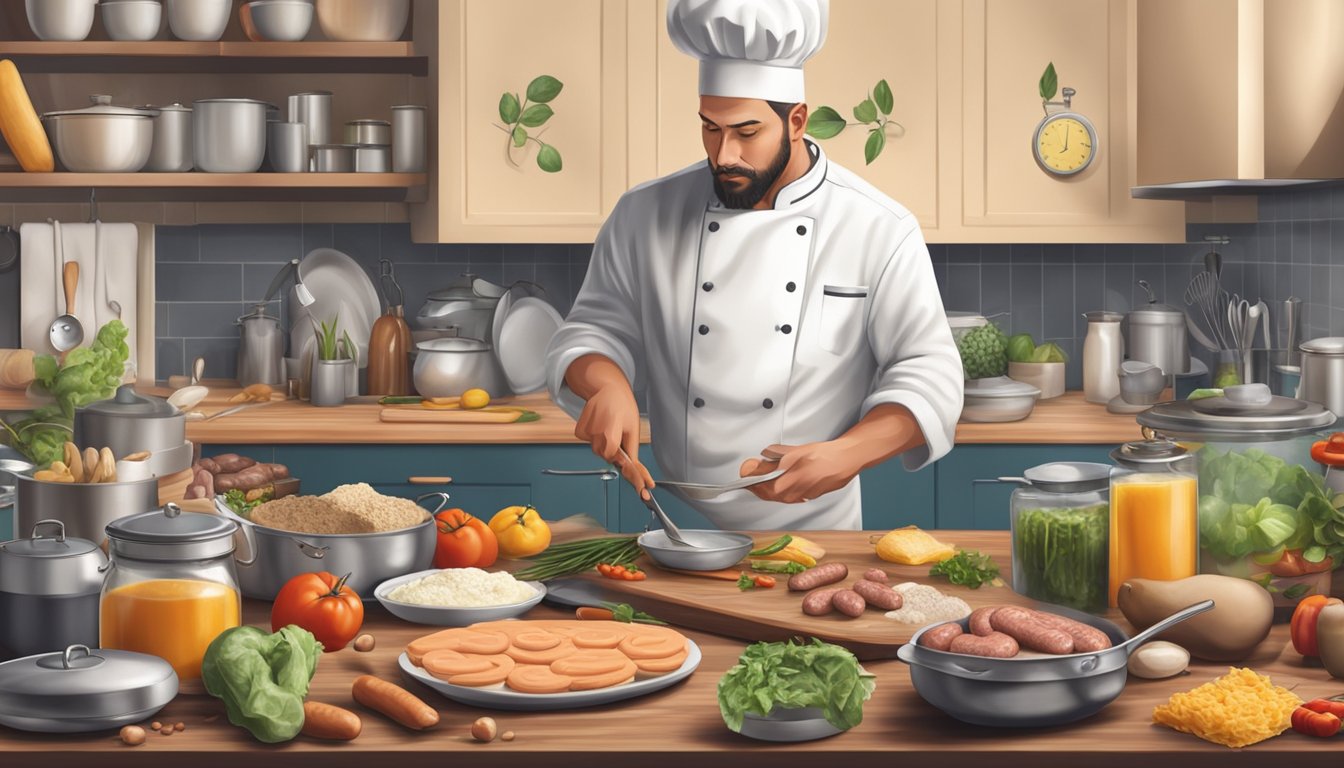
x=770, y=302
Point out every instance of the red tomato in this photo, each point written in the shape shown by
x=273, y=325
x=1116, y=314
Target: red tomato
x=321, y=604
x=1302, y=630
x=464, y=541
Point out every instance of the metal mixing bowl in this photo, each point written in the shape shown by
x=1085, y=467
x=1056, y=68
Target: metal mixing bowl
x=713, y=550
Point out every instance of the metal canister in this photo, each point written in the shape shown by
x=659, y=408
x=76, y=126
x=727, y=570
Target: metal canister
x=333, y=158
x=408, y=139
x=171, y=151
x=370, y=158
x=287, y=147
x=1323, y=373
x=368, y=132
x=1156, y=334
x=313, y=109
x=49, y=588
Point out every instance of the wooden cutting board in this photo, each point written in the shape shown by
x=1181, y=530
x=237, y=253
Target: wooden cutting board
x=718, y=606
x=395, y=415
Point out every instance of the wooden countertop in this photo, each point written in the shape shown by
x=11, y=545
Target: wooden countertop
x=682, y=725
x=1068, y=419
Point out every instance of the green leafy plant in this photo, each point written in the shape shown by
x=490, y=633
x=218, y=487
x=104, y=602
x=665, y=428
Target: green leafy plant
x=532, y=111
x=262, y=678
x=1049, y=84
x=969, y=569
x=873, y=112
x=794, y=675
x=333, y=343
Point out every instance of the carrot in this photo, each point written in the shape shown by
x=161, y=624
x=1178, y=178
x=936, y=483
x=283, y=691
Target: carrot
x=635, y=575
x=1319, y=724
x=604, y=569
x=1335, y=708
x=328, y=721
x=394, y=701
x=589, y=613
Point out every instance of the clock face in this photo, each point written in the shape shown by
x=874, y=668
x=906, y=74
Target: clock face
x=1064, y=144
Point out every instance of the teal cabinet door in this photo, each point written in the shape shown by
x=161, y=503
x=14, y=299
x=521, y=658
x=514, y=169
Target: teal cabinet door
x=7, y=523
x=969, y=498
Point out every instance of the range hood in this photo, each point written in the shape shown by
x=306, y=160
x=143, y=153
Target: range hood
x=1239, y=97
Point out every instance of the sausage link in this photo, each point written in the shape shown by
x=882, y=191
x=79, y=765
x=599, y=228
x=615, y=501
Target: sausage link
x=878, y=595
x=995, y=644
x=940, y=637
x=819, y=576
x=819, y=602
x=1019, y=624
x=849, y=602
x=979, y=620
x=1085, y=638
x=875, y=574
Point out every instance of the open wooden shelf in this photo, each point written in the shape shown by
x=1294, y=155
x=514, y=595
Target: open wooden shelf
x=223, y=56
x=61, y=187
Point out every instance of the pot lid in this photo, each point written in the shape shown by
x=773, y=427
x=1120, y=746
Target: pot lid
x=85, y=685
x=1069, y=476
x=102, y=105
x=51, y=565
x=1281, y=417
x=1157, y=314
x=1330, y=345
x=999, y=386
x=471, y=288
x=127, y=403
x=169, y=534
x=265, y=104
x=369, y=122
x=1150, y=454
x=174, y=107
x=454, y=344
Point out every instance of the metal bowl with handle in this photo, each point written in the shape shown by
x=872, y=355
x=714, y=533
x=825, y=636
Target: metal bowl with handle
x=1030, y=692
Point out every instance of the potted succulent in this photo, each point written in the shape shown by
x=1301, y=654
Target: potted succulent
x=333, y=362
x=1042, y=367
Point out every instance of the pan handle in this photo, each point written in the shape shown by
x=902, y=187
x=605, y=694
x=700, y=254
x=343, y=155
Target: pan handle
x=1165, y=624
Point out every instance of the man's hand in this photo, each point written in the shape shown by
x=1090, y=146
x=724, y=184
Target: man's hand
x=810, y=470
x=610, y=418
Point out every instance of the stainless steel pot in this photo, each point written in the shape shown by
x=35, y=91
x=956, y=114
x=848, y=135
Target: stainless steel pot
x=269, y=557
x=1155, y=333
x=1029, y=692
x=172, y=146
x=229, y=135
x=84, y=508
x=333, y=158
x=449, y=367
x=468, y=306
x=1323, y=373
x=55, y=578
x=78, y=690
x=102, y=138
x=129, y=422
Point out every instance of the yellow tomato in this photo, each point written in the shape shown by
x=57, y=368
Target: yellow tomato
x=475, y=398
x=521, y=531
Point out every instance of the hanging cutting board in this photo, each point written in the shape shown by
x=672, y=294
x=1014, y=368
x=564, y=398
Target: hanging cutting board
x=395, y=415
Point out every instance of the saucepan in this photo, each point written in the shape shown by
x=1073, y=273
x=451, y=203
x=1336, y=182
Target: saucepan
x=1030, y=692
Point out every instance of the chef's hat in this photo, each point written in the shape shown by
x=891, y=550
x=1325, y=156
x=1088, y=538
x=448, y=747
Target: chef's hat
x=751, y=49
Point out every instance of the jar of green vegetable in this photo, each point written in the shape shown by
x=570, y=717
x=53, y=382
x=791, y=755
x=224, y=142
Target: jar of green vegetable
x=1060, y=519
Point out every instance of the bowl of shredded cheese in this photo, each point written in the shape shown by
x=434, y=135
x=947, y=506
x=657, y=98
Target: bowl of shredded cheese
x=458, y=597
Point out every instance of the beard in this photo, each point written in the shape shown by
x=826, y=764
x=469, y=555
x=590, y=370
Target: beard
x=758, y=183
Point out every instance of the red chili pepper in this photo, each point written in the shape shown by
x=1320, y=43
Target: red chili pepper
x=763, y=581
x=1319, y=724
x=1335, y=708
x=1329, y=452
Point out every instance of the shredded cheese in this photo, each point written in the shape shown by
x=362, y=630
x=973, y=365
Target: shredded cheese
x=1236, y=710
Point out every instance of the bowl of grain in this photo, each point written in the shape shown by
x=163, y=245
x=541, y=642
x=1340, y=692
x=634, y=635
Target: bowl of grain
x=458, y=597
x=353, y=529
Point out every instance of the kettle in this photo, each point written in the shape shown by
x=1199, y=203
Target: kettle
x=261, y=343
x=1155, y=333
x=467, y=306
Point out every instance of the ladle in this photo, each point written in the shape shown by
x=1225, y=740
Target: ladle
x=66, y=332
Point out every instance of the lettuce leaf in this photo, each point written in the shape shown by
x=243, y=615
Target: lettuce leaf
x=795, y=675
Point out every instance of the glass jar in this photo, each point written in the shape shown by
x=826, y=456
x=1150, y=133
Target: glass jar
x=171, y=587
x=1154, y=513
x=1060, y=526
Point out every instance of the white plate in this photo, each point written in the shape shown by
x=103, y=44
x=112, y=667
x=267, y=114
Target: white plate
x=451, y=617
x=339, y=287
x=523, y=337
x=497, y=322
x=498, y=698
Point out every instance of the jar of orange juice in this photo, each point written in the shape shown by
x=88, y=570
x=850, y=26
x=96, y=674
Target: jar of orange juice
x=171, y=587
x=1154, y=513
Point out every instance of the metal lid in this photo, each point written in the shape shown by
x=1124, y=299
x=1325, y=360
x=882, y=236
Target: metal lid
x=998, y=386
x=127, y=403
x=959, y=320
x=1069, y=476
x=369, y=122
x=1330, y=345
x=78, y=684
x=174, y=107
x=265, y=104
x=44, y=565
x=482, y=294
x=409, y=106
x=1103, y=317
x=1181, y=419
x=102, y=105
x=1150, y=454
x=454, y=344
x=169, y=534
x=1156, y=314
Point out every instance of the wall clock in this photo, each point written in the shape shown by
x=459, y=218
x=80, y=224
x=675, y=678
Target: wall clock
x=1065, y=143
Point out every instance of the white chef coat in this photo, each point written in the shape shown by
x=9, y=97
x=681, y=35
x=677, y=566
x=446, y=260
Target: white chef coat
x=754, y=327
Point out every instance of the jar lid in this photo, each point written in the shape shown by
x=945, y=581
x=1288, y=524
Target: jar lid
x=1069, y=476
x=962, y=320
x=102, y=105
x=95, y=689
x=1150, y=454
x=1330, y=345
x=370, y=122
x=1103, y=317
x=46, y=565
x=454, y=344
x=169, y=534
x=1280, y=418
x=409, y=106
x=126, y=402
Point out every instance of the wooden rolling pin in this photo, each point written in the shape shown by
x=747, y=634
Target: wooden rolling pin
x=16, y=368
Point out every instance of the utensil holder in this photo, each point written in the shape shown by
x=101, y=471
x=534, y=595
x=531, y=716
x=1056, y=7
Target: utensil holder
x=329, y=384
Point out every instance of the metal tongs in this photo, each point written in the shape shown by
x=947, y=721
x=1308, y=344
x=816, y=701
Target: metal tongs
x=673, y=532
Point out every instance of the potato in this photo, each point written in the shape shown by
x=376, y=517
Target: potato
x=1242, y=613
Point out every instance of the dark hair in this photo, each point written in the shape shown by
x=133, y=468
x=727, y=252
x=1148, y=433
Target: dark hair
x=782, y=108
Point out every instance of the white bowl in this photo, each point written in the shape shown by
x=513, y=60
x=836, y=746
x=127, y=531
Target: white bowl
x=1047, y=377
x=451, y=617
x=132, y=19
x=363, y=20
x=282, y=20
x=67, y=20
x=998, y=399
x=199, y=20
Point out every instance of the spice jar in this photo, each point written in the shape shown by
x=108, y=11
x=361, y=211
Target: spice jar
x=171, y=586
x=1060, y=521
x=1154, y=513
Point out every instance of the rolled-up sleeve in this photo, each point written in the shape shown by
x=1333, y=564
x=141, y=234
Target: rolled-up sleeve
x=605, y=317
x=917, y=360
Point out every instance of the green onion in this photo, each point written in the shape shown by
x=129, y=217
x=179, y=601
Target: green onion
x=772, y=547
x=575, y=557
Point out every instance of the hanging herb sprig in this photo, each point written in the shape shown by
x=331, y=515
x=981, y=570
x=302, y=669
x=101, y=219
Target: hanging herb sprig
x=1048, y=85
x=532, y=111
x=873, y=112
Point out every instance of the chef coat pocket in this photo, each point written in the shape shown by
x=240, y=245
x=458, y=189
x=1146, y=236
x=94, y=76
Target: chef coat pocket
x=842, y=316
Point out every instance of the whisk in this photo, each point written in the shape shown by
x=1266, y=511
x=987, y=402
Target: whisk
x=1203, y=292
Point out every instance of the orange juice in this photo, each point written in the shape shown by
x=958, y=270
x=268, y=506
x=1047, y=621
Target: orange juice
x=174, y=619
x=1154, y=528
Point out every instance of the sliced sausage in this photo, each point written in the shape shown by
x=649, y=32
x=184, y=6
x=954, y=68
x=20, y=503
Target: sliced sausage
x=940, y=637
x=1085, y=638
x=849, y=602
x=995, y=644
x=820, y=602
x=819, y=576
x=1022, y=626
x=979, y=620
x=878, y=595
x=875, y=574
